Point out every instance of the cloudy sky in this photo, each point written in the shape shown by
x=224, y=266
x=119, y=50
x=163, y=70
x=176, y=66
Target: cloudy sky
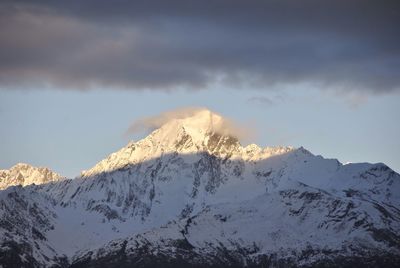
x=74, y=75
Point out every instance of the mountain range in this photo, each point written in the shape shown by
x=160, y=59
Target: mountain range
x=190, y=195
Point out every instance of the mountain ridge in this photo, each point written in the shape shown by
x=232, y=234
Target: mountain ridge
x=25, y=174
x=202, y=132
x=203, y=200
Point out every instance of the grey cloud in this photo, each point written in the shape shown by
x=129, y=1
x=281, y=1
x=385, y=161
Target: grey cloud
x=265, y=101
x=353, y=44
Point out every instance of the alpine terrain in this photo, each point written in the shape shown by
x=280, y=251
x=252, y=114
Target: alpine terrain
x=190, y=195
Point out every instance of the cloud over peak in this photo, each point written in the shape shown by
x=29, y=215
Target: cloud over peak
x=194, y=117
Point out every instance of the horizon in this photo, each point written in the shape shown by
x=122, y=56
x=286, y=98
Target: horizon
x=75, y=76
x=69, y=156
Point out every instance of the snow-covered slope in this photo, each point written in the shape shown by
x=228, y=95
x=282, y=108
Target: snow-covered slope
x=202, y=132
x=190, y=195
x=24, y=174
x=297, y=226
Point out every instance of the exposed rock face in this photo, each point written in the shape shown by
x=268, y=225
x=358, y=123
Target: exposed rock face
x=189, y=195
x=24, y=174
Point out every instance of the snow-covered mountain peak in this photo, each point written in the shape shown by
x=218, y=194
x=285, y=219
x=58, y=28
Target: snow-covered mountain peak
x=200, y=132
x=198, y=124
x=197, y=129
x=25, y=174
x=189, y=195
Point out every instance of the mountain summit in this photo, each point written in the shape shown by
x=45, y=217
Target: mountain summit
x=201, y=131
x=25, y=174
x=189, y=195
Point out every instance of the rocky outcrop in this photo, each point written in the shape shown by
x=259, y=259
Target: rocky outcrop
x=24, y=174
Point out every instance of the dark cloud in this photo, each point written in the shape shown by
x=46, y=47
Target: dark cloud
x=352, y=44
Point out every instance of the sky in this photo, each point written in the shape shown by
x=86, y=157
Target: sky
x=74, y=75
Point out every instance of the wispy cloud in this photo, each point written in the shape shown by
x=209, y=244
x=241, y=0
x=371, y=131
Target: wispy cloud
x=154, y=122
x=217, y=123
x=270, y=100
x=265, y=101
x=353, y=99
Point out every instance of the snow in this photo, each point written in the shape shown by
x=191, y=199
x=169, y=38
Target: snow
x=191, y=167
x=25, y=174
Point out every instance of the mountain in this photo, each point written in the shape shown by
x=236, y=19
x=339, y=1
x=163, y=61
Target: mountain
x=25, y=174
x=189, y=195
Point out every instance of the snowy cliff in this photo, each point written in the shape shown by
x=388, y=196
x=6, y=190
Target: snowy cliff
x=189, y=195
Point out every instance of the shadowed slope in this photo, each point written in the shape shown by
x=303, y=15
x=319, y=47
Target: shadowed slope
x=191, y=195
x=203, y=196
